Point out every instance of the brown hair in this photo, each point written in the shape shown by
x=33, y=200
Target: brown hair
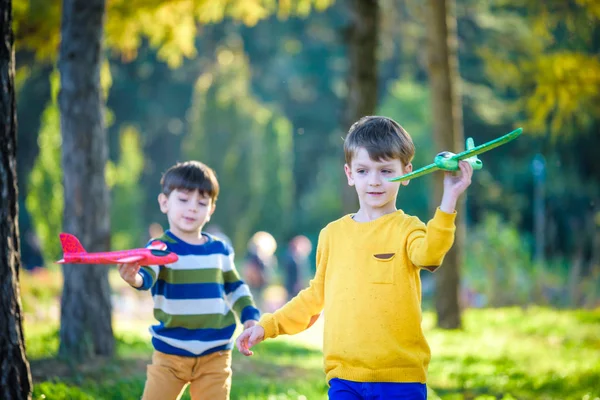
x=382, y=137
x=190, y=176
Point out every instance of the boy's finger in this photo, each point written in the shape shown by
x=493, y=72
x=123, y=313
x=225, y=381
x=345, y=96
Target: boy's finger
x=240, y=341
x=242, y=345
x=254, y=338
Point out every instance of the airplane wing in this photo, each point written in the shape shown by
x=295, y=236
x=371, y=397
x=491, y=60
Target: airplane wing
x=129, y=260
x=416, y=174
x=462, y=155
x=489, y=145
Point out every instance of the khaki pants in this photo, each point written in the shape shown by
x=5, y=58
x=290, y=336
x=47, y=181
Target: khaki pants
x=209, y=376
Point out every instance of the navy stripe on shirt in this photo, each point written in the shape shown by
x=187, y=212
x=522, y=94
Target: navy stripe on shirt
x=168, y=349
x=188, y=291
x=204, y=335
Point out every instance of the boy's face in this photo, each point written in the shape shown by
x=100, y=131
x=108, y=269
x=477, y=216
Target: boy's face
x=370, y=178
x=187, y=212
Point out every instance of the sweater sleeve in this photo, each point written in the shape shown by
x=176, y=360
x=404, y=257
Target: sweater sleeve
x=238, y=293
x=427, y=245
x=296, y=316
x=149, y=273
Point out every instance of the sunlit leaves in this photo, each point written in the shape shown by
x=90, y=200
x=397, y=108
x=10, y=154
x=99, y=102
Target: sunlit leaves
x=247, y=142
x=170, y=26
x=549, y=64
x=37, y=26
x=566, y=91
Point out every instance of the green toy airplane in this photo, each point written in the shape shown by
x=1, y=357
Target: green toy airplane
x=448, y=161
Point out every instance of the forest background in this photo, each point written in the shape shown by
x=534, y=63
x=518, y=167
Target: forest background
x=262, y=99
x=264, y=92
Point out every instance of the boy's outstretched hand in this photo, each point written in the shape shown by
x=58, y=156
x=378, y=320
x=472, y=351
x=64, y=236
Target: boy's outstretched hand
x=455, y=185
x=129, y=273
x=249, y=338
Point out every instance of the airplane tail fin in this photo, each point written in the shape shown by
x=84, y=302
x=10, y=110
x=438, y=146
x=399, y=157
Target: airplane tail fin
x=70, y=244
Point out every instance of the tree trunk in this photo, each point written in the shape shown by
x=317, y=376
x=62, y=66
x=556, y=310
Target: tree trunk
x=362, y=40
x=86, y=326
x=448, y=135
x=15, y=377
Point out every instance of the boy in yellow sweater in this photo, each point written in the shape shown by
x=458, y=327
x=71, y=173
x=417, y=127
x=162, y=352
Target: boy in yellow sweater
x=367, y=279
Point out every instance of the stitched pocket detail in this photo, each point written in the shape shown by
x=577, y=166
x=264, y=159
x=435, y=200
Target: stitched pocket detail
x=384, y=256
x=383, y=268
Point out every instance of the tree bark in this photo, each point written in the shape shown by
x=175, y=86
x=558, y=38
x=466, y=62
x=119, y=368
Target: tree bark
x=362, y=40
x=86, y=326
x=15, y=377
x=448, y=135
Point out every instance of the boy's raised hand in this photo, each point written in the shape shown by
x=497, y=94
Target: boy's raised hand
x=249, y=338
x=455, y=185
x=129, y=273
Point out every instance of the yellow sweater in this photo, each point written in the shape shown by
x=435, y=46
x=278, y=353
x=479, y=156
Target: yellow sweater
x=368, y=284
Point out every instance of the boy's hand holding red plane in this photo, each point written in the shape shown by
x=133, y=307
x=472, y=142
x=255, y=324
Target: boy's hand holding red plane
x=129, y=273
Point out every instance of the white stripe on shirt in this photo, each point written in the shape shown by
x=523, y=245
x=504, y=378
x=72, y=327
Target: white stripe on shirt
x=190, y=307
x=209, y=261
x=241, y=291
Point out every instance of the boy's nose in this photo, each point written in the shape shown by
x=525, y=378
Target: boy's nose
x=375, y=180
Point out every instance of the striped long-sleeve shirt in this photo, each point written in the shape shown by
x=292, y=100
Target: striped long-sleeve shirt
x=196, y=297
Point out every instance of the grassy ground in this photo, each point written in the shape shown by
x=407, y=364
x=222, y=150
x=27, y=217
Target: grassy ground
x=501, y=354
x=536, y=353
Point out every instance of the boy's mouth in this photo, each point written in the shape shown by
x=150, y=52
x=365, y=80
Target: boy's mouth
x=375, y=193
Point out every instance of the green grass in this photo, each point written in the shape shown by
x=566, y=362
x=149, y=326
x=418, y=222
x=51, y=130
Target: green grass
x=505, y=354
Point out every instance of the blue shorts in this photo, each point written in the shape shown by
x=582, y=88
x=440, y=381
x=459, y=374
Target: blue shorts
x=340, y=389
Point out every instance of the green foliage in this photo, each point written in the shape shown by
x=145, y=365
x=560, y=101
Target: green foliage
x=127, y=195
x=45, y=190
x=250, y=148
x=548, y=61
x=169, y=26
x=498, y=264
x=408, y=102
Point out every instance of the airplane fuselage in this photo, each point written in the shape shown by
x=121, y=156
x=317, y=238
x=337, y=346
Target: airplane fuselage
x=117, y=257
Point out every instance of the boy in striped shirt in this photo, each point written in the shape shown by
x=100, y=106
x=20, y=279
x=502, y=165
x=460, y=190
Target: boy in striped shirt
x=196, y=297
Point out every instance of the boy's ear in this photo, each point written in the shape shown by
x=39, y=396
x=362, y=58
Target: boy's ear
x=407, y=169
x=163, y=201
x=348, y=172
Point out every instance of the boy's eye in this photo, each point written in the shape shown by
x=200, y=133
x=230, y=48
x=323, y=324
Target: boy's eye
x=202, y=204
x=386, y=171
x=181, y=199
x=361, y=171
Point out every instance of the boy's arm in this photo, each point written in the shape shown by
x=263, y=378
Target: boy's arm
x=295, y=316
x=149, y=275
x=238, y=293
x=427, y=246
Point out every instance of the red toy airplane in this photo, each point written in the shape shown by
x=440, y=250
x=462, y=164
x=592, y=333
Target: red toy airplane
x=74, y=253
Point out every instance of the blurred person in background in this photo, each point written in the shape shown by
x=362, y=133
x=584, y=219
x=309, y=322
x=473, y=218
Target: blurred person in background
x=296, y=265
x=259, y=264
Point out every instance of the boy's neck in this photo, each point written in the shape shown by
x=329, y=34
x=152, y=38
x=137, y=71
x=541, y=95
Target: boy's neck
x=194, y=238
x=366, y=215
